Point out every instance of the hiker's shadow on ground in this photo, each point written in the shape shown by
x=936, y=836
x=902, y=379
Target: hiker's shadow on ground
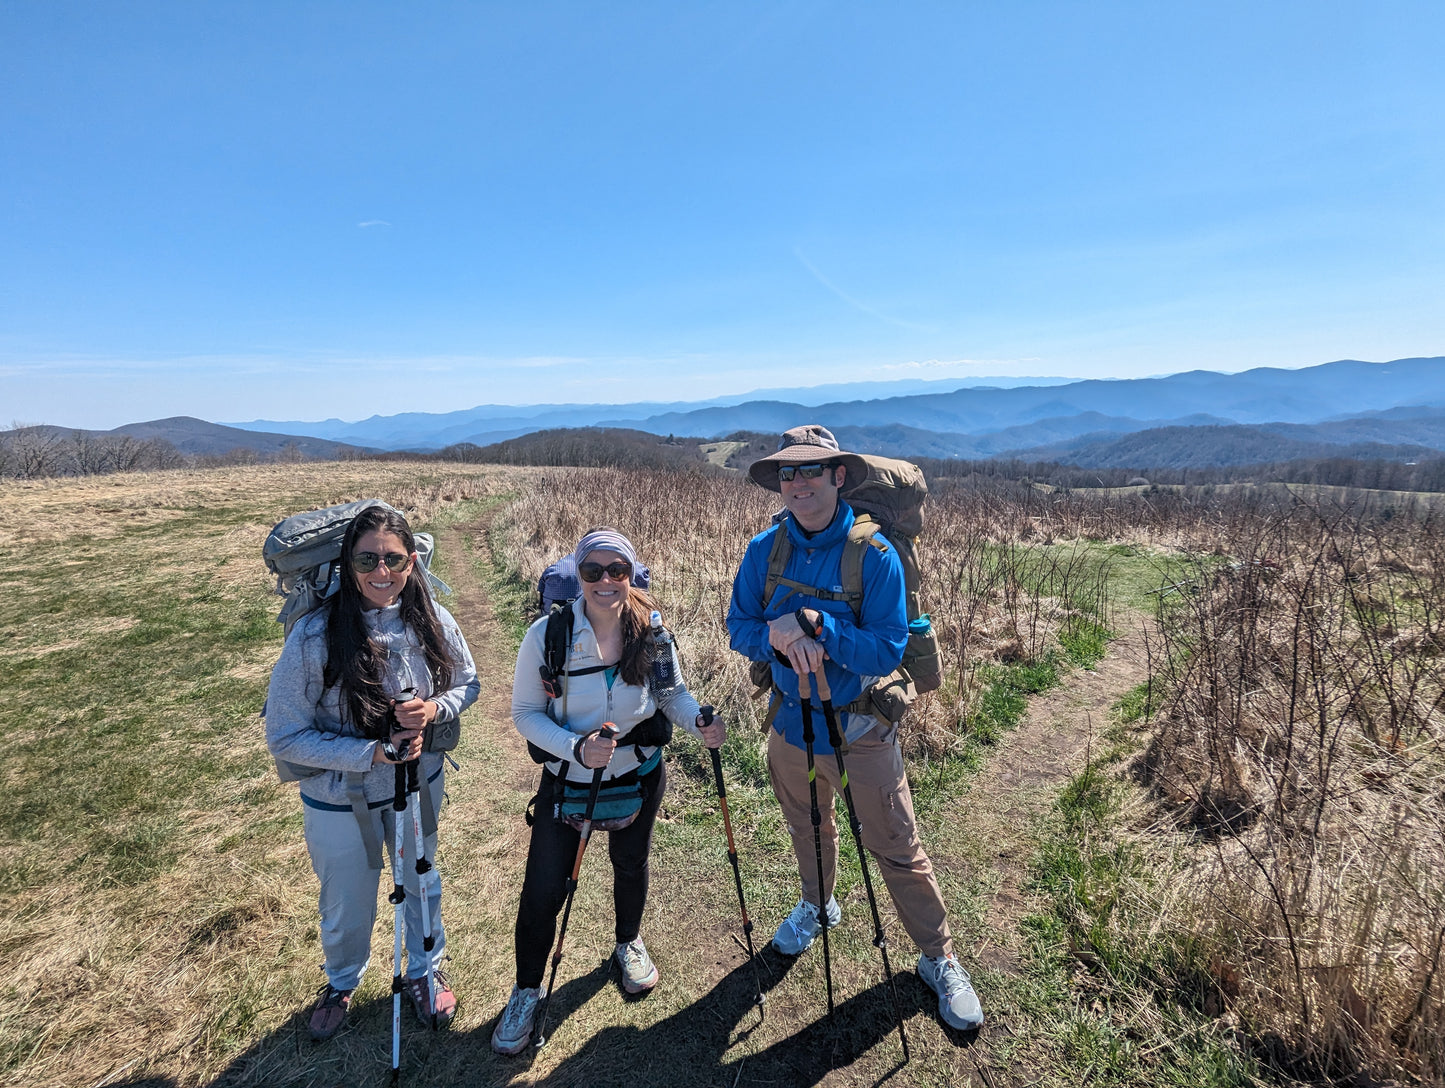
x=704, y=1043
x=698, y=1038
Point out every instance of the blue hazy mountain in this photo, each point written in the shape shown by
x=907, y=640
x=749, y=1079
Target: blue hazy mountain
x=1393, y=409
x=488, y=423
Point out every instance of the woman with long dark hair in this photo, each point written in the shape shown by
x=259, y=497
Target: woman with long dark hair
x=608, y=676
x=379, y=661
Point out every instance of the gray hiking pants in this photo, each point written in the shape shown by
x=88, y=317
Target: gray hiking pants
x=349, y=887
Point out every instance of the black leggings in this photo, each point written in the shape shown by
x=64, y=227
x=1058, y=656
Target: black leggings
x=549, y=863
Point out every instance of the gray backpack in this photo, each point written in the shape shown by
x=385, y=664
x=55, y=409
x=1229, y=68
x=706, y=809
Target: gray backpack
x=304, y=553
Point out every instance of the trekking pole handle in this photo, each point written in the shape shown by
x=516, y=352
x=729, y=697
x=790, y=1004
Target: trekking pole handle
x=607, y=732
x=388, y=746
x=706, y=713
x=825, y=693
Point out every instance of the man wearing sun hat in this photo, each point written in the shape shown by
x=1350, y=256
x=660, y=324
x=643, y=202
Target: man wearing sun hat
x=799, y=633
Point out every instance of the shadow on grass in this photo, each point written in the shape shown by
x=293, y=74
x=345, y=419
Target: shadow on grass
x=704, y=1044
x=691, y=1047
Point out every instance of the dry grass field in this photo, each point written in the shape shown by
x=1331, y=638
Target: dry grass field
x=1124, y=922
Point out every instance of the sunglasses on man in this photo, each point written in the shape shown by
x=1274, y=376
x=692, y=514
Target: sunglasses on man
x=807, y=472
x=619, y=570
x=366, y=562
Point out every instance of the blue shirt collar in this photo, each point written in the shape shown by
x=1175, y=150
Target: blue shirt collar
x=836, y=531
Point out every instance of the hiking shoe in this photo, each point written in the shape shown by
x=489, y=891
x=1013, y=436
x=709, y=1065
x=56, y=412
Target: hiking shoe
x=957, y=1003
x=329, y=1012
x=800, y=928
x=446, y=1000
x=639, y=973
x=514, y=1027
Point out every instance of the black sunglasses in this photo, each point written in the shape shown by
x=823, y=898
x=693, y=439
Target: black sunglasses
x=619, y=570
x=366, y=562
x=807, y=472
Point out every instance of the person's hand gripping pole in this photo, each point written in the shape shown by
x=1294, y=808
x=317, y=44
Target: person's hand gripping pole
x=722, y=800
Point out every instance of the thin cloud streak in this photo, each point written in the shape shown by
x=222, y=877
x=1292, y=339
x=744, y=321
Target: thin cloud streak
x=861, y=307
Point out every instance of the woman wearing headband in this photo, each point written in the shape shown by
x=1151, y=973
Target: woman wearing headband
x=606, y=667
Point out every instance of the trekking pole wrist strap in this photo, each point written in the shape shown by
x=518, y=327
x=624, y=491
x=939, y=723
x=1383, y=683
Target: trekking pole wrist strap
x=809, y=628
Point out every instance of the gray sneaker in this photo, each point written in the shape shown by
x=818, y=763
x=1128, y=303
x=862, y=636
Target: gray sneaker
x=800, y=928
x=514, y=1027
x=957, y=1003
x=639, y=973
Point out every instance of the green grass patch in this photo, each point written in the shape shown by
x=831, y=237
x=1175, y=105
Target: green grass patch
x=1114, y=997
x=1084, y=640
x=1005, y=697
x=1137, y=704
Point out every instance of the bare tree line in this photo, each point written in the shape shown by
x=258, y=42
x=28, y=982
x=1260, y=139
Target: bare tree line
x=29, y=452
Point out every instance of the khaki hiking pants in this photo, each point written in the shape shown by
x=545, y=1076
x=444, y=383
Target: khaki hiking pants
x=885, y=811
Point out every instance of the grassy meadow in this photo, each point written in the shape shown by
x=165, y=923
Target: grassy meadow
x=1233, y=878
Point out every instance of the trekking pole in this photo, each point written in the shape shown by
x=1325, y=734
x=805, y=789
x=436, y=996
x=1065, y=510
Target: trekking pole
x=397, y=899
x=423, y=866
x=722, y=799
x=835, y=738
x=608, y=732
x=806, y=690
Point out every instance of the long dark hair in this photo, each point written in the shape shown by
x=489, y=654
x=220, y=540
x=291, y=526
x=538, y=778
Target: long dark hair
x=355, y=662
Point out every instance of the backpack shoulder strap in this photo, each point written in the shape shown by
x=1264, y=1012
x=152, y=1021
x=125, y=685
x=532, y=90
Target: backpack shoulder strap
x=777, y=561
x=556, y=644
x=862, y=536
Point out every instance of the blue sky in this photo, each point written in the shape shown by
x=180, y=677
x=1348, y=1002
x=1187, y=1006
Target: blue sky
x=303, y=210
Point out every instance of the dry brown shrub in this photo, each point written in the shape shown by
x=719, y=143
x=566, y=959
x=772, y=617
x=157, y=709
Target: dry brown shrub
x=691, y=530
x=1304, y=740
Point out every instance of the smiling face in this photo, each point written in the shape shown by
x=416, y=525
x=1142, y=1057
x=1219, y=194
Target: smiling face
x=381, y=587
x=813, y=502
x=607, y=594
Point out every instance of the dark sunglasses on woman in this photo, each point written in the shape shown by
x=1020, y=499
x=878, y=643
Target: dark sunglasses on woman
x=366, y=562
x=619, y=570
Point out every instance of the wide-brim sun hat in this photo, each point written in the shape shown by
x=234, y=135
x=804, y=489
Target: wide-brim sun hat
x=809, y=444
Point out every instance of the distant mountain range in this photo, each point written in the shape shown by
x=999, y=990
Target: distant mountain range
x=489, y=423
x=1346, y=408
x=198, y=438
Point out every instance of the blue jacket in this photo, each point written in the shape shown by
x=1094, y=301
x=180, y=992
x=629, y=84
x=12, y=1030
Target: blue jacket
x=858, y=653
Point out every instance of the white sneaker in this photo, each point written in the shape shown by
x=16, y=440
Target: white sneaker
x=957, y=1003
x=639, y=973
x=800, y=928
x=514, y=1027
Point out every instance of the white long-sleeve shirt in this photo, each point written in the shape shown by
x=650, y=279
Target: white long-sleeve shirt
x=589, y=701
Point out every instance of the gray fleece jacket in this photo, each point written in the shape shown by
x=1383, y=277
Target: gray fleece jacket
x=303, y=720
